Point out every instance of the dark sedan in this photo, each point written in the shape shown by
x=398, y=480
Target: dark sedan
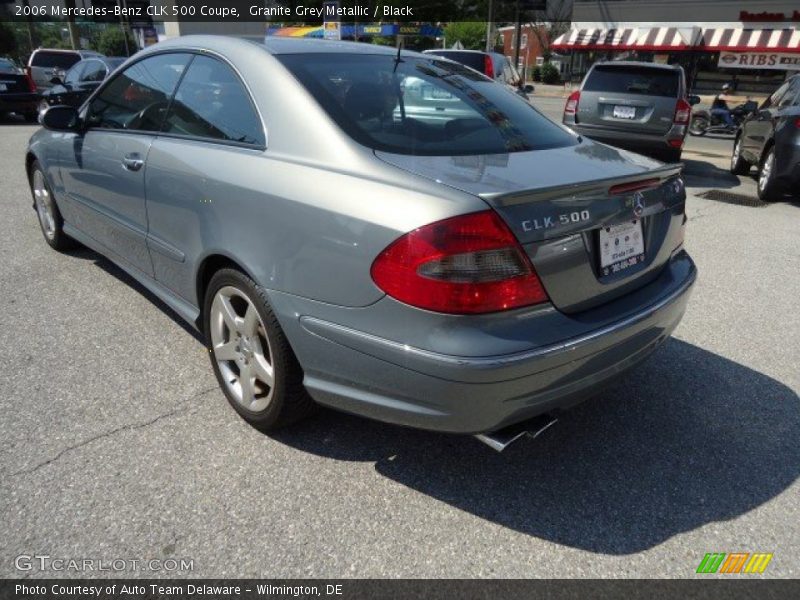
x=80, y=81
x=770, y=140
x=17, y=91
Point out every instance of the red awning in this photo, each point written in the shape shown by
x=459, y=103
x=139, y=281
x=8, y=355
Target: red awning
x=751, y=40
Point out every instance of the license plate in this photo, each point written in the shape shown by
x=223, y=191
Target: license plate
x=625, y=112
x=621, y=246
x=3, y=87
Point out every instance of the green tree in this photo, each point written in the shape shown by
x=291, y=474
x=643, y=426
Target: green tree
x=472, y=34
x=8, y=42
x=111, y=42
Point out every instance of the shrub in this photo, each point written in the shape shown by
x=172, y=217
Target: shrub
x=550, y=74
x=536, y=73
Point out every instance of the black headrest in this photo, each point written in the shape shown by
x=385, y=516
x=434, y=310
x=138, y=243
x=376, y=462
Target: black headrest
x=365, y=100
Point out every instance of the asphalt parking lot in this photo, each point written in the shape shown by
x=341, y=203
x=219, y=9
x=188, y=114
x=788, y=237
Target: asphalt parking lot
x=115, y=441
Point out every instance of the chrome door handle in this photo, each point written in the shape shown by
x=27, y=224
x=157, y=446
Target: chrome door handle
x=133, y=162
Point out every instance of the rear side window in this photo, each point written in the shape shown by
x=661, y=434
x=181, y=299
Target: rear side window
x=212, y=102
x=138, y=97
x=422, y=106
x=56, y=60
x=474, y=60
x=642, y=81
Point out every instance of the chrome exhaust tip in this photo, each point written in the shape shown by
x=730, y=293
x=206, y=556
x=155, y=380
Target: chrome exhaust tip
x=502, y=438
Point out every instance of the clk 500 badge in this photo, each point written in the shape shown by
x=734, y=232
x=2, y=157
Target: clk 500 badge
x=558, y=220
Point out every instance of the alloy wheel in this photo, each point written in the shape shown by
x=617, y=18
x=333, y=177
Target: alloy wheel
x=242, y=349
x=766, y=171
x=44, y=205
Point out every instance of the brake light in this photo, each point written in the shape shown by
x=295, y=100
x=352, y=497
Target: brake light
x=633, y=186
x=683, y=112
x=571, y=107
x=29, y=79
x=464, y=265
x=797, y=122
x=488, y=66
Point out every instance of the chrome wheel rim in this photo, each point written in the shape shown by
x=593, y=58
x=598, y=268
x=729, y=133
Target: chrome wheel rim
x=44, y=205
x=241, y=349
x=766, y=171
x=735, y=155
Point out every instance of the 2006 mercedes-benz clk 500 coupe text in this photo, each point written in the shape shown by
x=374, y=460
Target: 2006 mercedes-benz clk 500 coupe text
x=393, y=235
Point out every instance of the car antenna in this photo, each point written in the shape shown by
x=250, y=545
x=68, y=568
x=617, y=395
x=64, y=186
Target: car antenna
x=397, y=59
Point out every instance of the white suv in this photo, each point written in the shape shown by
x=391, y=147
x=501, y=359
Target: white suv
x=46, y=63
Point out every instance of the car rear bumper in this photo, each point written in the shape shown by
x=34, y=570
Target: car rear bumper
x=633, y=140
x=388, y=380
x=23, y=102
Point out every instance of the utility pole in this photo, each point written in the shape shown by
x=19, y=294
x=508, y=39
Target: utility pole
x=490, y=29
x=517, y=36
x=74, y=38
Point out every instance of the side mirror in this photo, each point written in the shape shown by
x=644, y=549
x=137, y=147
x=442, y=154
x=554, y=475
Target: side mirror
x=694, y=99
x=61, y=118
x=528, y=88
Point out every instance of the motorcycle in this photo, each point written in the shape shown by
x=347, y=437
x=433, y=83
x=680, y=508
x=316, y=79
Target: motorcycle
x=704, y=122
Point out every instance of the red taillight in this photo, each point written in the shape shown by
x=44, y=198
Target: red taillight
x=571, y=107
x=464, y=265
x=488, y=66
x=797, y=122
x=29, y=79
x=683, y=112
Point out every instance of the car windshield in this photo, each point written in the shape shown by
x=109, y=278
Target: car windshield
x=422, y=106
x=633, y=80
x=57, y=60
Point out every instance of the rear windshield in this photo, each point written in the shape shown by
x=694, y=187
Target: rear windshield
x=422, y=106
x=57, y=60
x=474, y=60
x=7, y=66
x=633, y=80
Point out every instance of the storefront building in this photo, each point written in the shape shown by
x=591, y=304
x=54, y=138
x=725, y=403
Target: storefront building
x=752, y=45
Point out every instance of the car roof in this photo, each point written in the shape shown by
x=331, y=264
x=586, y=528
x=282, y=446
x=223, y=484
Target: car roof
x=85, y=53
x=275, y=45
x=636, y=63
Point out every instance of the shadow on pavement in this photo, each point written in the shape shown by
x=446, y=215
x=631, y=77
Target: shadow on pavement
x=687, y=439
x=701, y=173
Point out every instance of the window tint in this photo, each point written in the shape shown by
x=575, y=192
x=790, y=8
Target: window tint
x=58, y=60
x=95, y=71
x=137, y=98
x=422, y=106
x=211, y=102
x=474, y=60
x=633, y=80
x=74, y=74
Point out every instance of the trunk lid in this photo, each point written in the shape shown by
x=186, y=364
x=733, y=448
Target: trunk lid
x=13, y=83
x=556, y=201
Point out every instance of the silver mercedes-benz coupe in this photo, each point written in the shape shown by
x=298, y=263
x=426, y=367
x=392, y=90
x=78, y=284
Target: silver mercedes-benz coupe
x=390, y=234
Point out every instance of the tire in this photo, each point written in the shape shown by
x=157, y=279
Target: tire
x=767, y=188
x=699, y=125
x=32, y=117
x=739, y=166
x=50, y=220
x=243, y=336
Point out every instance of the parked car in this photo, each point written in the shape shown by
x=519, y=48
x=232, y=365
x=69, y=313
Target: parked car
x=635, y=105
x=770, y=140
x=17, y=92
x=80, y=81
x=46, y=63
x=458, y=276
x=494, y=65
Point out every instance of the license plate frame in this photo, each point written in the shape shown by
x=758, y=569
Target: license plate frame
x=621, y=246
x=624, y=112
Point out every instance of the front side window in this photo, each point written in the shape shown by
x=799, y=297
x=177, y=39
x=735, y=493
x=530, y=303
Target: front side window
x=422, y=106
x=138, y=97
x=645, y=81
x=95, y=71
x=73, y=76
x=212, y=103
